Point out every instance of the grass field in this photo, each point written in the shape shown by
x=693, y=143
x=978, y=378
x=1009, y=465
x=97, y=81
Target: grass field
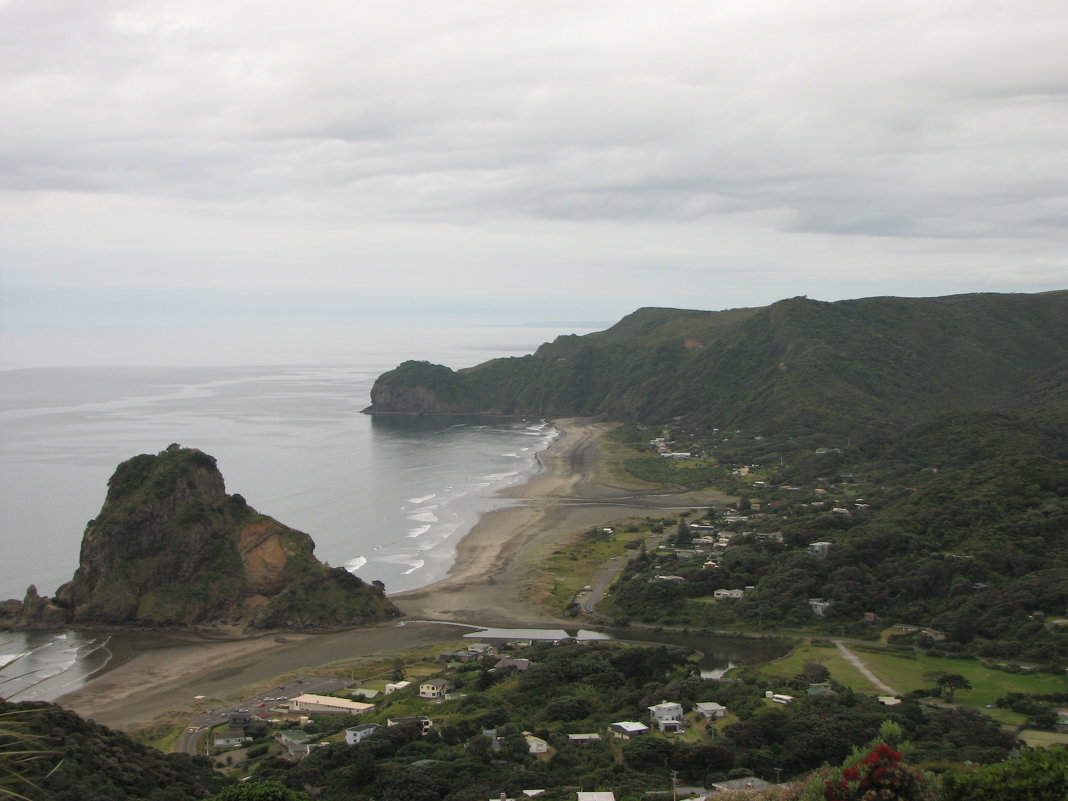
x=1043, y=739
x=908, y=674
x=841, y=670
x=987, y=685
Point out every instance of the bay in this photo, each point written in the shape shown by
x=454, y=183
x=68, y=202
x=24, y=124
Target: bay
x=387, y=497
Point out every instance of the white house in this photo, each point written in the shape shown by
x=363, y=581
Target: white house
x=356, y=734
x=535, y=745
x=397, y=685
x=724, y=595
x=819, y=606
x=666, y=710
x=820, y=549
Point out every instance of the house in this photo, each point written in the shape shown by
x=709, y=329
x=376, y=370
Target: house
x=424, y=723
x=819, y=606
x=357, y=734
x=482, y=648
x=819, y=549
x=724, y=595
x=667, y=715
x=676, y=579
x=295, y=742
x=599, y=795
x=628, y=729
x=397, y=685
x=535, y=745
x=328, y=705
x=779, y=698
x=710, y=710
x=434, y=688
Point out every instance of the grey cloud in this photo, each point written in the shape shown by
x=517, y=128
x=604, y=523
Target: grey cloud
x=366, y=126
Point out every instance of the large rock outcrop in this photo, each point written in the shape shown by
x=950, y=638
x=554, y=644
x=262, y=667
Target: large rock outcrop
x=171, y=548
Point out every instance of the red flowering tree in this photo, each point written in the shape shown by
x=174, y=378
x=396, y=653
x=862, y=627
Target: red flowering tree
x=881, y=776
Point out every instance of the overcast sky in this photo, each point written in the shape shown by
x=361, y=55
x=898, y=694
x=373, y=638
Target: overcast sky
x=224, y=163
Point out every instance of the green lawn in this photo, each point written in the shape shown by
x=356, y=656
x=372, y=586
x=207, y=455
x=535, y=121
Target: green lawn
x=908, y=674
x=1043, y=739
x=987, y=685
x=841, y=670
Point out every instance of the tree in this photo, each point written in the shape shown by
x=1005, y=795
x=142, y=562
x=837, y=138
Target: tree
x=260, y=791
x=882, y=774
x=948, y=683
x=1036, y=775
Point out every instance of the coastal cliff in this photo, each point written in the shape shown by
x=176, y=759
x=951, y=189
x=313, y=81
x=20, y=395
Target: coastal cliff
x=171, y=549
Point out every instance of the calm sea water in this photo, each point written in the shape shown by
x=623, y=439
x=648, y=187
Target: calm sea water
x=388, y=498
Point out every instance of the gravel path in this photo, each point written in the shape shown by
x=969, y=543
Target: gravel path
x=859, y=665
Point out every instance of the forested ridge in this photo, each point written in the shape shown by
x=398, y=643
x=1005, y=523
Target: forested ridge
x=799, y=364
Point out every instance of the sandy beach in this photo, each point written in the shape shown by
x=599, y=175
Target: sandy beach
x=480, y=590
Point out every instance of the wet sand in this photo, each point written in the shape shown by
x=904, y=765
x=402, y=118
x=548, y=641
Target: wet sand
x=480, y=589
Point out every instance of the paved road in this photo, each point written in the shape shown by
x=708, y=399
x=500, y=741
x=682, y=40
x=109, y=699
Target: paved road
x=188, y=741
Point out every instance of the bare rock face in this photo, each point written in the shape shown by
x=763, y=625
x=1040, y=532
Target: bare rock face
x=171, y=548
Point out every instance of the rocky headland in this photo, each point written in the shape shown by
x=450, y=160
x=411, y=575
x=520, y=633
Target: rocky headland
x=170, y=549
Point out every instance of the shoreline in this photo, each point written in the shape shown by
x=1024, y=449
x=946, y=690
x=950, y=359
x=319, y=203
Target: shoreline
x=480, y=589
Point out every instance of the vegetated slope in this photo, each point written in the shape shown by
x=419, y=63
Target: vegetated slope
x=72, y=759
x=798, y=363
x=171, y=548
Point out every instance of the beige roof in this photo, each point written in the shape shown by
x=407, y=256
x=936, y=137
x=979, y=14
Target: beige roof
x=332, y=702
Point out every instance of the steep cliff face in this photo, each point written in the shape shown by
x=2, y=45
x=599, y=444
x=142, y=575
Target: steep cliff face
x=171, y=548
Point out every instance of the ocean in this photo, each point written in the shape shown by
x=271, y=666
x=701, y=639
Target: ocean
x=386, y=497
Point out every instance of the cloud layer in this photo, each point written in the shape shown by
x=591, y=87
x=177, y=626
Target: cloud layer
x=679, y=153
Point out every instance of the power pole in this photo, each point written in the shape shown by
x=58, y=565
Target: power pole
x=674, y=785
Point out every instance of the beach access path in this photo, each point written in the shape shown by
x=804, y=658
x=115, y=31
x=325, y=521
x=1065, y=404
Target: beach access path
x=481, y=589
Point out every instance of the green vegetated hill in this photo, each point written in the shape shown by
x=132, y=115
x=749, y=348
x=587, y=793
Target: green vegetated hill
x=979, y=554
x=171, y=548
x=797, y=364
x=49, y=753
